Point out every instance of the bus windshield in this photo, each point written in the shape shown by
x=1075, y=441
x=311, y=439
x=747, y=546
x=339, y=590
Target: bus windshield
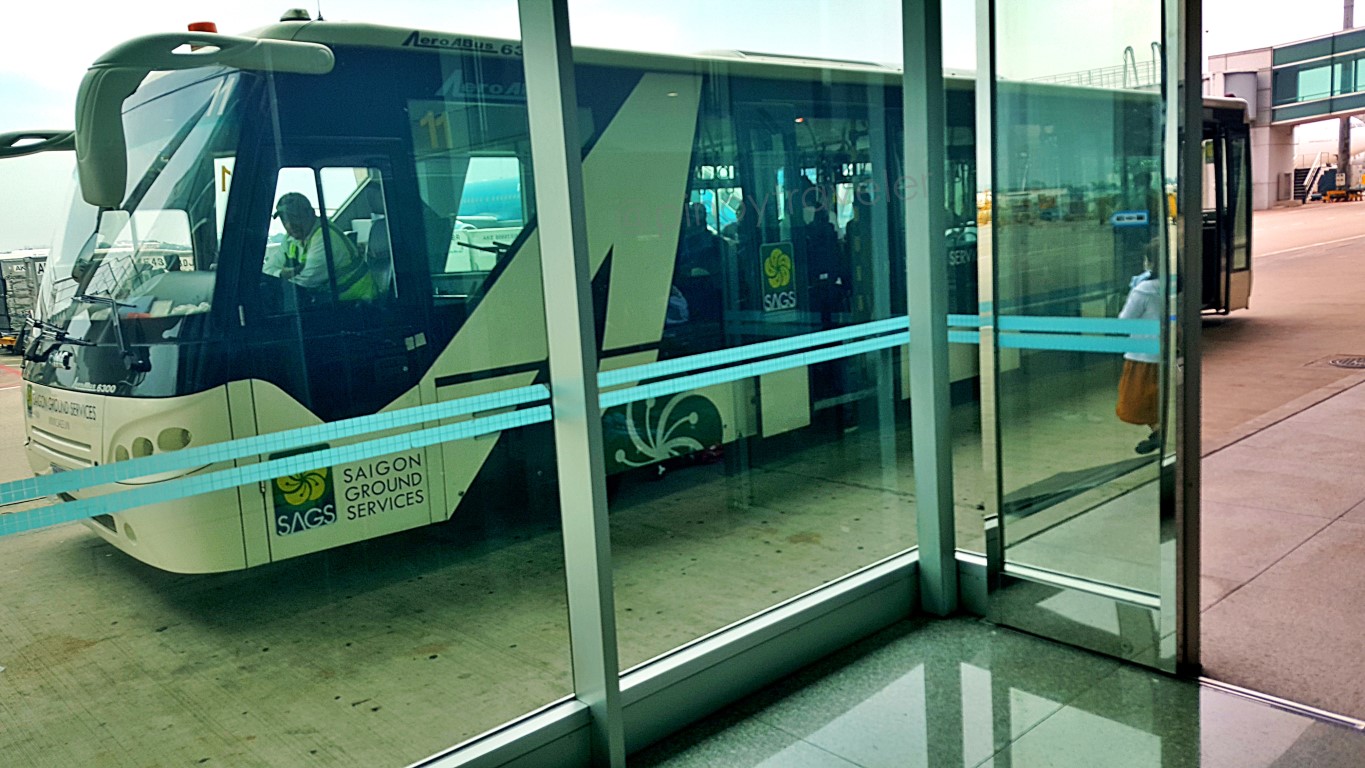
x=180, y=139
x=144, y=280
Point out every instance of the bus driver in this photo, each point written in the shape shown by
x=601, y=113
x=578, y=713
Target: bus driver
x=304, y=255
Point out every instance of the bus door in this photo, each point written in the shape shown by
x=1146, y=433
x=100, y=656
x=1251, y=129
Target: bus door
x=474, y=186
x=771, y=257
x=339, y=331
x=1226, y=218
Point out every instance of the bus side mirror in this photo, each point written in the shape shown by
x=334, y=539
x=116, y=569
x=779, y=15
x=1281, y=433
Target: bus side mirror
x=33, y=348
x=101, y=154
x=20, y=143
x=111, y=226
x=85, y=260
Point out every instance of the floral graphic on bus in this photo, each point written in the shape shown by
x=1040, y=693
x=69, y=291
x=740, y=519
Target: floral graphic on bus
x=649, y=431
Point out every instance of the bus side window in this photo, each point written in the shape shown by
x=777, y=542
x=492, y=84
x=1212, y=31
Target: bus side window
x=363, y=216
x=329, y=238
x=470, y=155
x=488, y=216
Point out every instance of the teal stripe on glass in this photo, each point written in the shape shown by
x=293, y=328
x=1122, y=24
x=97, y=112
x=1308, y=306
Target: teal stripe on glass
x=964, y=337
x=171, y=490
x=197, y=458
x=964, y=321
x=1066, y=342
x=1132, y=327
x=748, y=352
x=748, y=370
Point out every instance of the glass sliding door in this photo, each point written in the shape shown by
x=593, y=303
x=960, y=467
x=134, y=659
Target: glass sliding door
x=1082, y=234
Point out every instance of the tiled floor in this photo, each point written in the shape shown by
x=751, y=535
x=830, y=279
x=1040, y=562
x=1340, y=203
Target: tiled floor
x=961, y=692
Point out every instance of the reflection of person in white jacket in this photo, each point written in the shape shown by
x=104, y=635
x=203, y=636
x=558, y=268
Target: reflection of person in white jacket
x=1140, y=384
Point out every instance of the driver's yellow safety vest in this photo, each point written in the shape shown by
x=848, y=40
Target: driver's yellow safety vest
x=353, y=280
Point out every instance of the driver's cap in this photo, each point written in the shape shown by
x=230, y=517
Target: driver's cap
x=293, y=205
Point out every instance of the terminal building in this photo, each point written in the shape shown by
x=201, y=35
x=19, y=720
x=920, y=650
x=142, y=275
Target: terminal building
x=1291, y=85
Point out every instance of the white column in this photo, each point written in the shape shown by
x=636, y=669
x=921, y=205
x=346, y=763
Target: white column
x=552, y=105
x=927, y=288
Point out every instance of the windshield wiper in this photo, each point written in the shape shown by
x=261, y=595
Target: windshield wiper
x=495, y=247
x=60, y=334
x=31, y=351
x=134, y=362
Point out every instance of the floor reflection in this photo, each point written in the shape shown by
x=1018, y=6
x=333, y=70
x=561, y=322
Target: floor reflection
x=964, y=692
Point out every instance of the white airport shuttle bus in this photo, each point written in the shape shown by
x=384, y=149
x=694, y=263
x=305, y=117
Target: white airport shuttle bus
x=733, y=201
x=1227, y=206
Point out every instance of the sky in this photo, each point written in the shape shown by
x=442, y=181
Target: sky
x=43, y=55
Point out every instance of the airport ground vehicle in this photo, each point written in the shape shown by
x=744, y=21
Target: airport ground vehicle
x=1227, y=206
x=20, y=276
x=164, y=330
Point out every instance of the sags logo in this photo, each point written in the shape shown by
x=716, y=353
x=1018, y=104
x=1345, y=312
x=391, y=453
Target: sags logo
x=304, y=501
x=778, y=268
x=28, y=400
x=779, y=272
